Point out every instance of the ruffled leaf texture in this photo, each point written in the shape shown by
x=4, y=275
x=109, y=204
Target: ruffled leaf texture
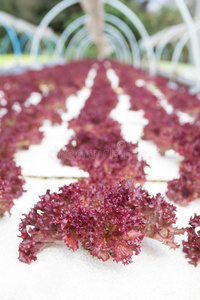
x=191, y=246
x=107, y=221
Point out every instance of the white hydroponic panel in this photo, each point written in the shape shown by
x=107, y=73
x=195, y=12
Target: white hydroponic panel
x=156, y=273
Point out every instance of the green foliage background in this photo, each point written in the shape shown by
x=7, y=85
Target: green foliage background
x=34, y=10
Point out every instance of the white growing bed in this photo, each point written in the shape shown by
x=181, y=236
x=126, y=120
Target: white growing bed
x=156, y=273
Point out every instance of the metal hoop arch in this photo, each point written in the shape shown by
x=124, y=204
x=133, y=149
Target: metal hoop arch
x=193, y=35
x=84, y=34
x=163, y=42
x=13, y=38
x=178, y=50
x=88, y=43
x=114, y=3
x=115, y=44
x=111, y=31
x=109, y=18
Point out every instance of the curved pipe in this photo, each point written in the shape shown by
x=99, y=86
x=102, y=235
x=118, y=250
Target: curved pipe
x=178, y=50
x=112, y=31
x=130, y=36
x=108, y=28
x=5, y=44
x=24, y=38
x=48, y=46
x=90, y=44
x=193, y=35
x=164, y=41
x=81, y=34
x=66, y=34
x=13, y=37
x=114, y=3
x=27, y=36
x=44, y=41
x=109, y=18
x=86, y=41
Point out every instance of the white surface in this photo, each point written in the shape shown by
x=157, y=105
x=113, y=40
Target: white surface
x=123, y=115
x=156, y=273
x=114, y=79
x=34, y=99
x=162, y=168
x=46, y=163
x=44, y=156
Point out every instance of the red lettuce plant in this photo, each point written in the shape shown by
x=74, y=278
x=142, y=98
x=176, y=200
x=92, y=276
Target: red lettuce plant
x=107, y=154
x=160, y=128
x=166, y=131
x=107, y=221
x=187, y=187
x=20, y=125
x=11, y=184
x=98, y=146
x=182, y=100
x=192, y=245
x=93, y=121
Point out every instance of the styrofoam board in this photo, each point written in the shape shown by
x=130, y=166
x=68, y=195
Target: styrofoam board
x=41, y=160
x=156, y=273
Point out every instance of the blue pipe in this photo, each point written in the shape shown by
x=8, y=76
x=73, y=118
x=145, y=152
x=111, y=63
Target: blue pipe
x=13, y=38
